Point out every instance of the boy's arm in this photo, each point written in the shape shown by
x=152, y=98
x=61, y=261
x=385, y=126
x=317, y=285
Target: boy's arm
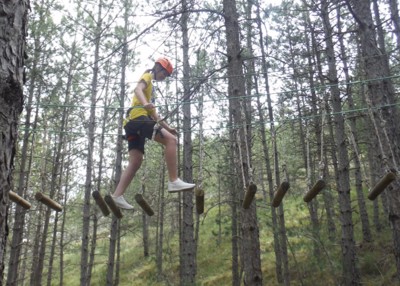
x=141, y=86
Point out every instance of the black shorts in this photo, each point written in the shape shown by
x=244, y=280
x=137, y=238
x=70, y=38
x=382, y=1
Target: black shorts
x=137, y=130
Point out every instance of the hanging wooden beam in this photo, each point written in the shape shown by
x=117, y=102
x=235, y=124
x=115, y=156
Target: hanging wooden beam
x=48, y=202
x=381, y=185
x=144, y=205
x=249, y=196
x=101, y=203
x=113, y=207
x=313, y=192
x=199, y=193
x=19, y=200
x=280, y=193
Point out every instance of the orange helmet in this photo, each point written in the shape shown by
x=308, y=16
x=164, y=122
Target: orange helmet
x=166, y=64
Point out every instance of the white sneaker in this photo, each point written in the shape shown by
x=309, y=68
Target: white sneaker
x=121, y=203
x=179, y=186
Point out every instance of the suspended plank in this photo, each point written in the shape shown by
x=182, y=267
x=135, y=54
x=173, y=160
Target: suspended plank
x=19, y=200
x=113, y=207
x=199, y=193
x=48, y=202
x=280, y=193
x=249, y=196
x=144, y=205
x=313, y=192
x=101, y=203
x=381, y=185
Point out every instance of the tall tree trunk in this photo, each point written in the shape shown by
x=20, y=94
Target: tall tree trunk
x=199, y=182
x=102, y=146
x=114, y=226
x=250, y=255
x=56, y=180
x=354, y=138
x=64, y=217
x=381, y=93
x=90, y=152
x=145, y=228
x=324, y=110
x=52, y=250
x=19, y=218
x=394, y=13
x=233, y=187
x=305, y=137
x=114, y=233
x=379, y=27
x=188, y=262
x=43, y=244
x=13, y=19
x=38, y=250
x=160, y=222
x=277, y=244
x=350, y=271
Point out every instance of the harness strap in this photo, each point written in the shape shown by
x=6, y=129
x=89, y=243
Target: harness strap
x=155, y=129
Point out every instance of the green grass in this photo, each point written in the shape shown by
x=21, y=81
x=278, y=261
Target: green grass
x=375, y=260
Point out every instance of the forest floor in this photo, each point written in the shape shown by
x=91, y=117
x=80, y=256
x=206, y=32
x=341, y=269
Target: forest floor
x=313, y=259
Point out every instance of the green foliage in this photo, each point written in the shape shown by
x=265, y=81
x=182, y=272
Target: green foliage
x=376, y=261
x=57, y=48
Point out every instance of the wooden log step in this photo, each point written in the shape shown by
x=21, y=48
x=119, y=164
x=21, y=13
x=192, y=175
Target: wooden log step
x=113, y=207
x=313, y=192
x=249, y=196
x=381, y=185
x=280, y=193
x=19, y=200
x=48, y=202
x=199, y=193
x=101, y=203
x=144, y=205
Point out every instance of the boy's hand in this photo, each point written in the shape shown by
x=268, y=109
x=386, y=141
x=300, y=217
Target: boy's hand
x=172, y=131
x=148, y=106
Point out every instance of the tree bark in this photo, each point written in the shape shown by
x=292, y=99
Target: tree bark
x=232, y=185
x=354, y=138
x=350, y=271
x=13, y=20
x=160, y=222
x=26, y=155
x=188, y=255
x=115, y=225
x=381, y=93
x=263, y=131
x=250, y=251
x=394, y=13
x=324, y=103
x=145, y=229
x=91, y=125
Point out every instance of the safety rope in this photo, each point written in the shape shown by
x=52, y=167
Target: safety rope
x=356, y=151
x=372, y=117
x=240, y=158
x=321, y=165
x=231, y=127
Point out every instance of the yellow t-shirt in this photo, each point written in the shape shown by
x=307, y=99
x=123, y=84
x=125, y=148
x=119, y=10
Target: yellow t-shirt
x=136, y=106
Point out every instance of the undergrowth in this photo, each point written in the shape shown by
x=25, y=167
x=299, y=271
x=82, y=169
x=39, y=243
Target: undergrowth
x=313, y=258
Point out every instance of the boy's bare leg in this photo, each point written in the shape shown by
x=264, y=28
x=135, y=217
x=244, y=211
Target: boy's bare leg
x=135, y=161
